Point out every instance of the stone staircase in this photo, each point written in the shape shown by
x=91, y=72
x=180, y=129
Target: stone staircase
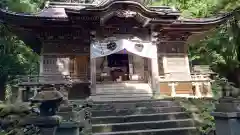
x=143, y=117
x=122, y=91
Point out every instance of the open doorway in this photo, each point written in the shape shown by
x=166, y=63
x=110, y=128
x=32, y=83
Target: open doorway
x=119, y=65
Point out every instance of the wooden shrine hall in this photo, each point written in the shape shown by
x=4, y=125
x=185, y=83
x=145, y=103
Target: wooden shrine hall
x=110, y=46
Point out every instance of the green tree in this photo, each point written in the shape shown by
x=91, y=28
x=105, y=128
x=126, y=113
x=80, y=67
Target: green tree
x=15, y=57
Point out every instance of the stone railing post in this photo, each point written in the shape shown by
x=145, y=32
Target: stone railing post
x=173, y=88
x=208, y=84
x=197, y=89
x=20, y=93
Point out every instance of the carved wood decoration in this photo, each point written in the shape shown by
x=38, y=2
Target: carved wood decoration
x=171, y=43
x=67, y=35
x=171, y=47
x=66, y=49
x=121, y=17
x=125, y=13
x=172, y=36
x=142, y=33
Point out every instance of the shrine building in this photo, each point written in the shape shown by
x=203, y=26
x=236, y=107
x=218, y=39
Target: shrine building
x=109, y=48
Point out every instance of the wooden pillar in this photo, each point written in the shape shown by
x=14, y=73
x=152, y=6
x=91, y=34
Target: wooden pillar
x=130, y=59
x=154, y=64
x=93, y=72
x=155, y=74
x=41, y=65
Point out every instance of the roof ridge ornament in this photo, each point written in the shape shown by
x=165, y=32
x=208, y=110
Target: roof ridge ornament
x=125, y=13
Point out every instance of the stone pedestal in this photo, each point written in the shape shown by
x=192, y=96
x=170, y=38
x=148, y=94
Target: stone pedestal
x=68, y=128
x=48, y=131
x=72, y=121
x=227, y=116
x=227, y=123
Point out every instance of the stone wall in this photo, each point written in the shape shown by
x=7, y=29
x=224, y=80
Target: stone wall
x=176, y=67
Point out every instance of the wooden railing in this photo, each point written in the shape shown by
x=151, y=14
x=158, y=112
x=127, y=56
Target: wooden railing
x=51, y=79
x=102, y=77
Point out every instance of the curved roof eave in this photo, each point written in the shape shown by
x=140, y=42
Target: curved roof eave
x=195, y=25
x=48, y=14
x=211, y=20
x=199, y=21
x=109, y=5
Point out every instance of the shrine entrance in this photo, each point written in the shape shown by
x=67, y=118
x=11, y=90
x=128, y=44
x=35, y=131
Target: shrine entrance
x=123, y=60
x=119, y=60
x=119, y=65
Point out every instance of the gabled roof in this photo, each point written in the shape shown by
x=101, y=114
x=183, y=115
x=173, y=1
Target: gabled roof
x=62, y=11
x=91, y=16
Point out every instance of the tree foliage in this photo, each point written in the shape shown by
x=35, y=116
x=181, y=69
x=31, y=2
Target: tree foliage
x=16, y=58
x=200, y=8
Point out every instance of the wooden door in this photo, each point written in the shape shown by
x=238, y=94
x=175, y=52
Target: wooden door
x=81, y=66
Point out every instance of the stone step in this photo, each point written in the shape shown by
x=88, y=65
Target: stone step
x=139, y=110
x=124, y=95
x=103, y=88
x=122, y=86
x=139, y=118
x=133, y=104
x=124, y=91
x=109, y=98
x=137, y=101
x=169, y=131
x=129, y=126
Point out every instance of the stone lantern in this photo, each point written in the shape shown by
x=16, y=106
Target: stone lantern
x=49, y=101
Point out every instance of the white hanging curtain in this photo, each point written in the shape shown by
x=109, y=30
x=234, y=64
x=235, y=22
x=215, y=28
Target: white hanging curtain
x=63, y=65
x=144, y=49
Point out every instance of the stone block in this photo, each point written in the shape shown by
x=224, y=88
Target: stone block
x=227, y=123
x=68, y=128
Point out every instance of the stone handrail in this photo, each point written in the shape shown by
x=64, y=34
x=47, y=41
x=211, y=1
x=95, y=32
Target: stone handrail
x=195, y=79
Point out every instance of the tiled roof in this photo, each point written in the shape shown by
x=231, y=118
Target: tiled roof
x=53, y=12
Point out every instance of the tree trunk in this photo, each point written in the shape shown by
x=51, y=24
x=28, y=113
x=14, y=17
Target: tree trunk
x=2, y=89
x=238, y=77
x=234, y=77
